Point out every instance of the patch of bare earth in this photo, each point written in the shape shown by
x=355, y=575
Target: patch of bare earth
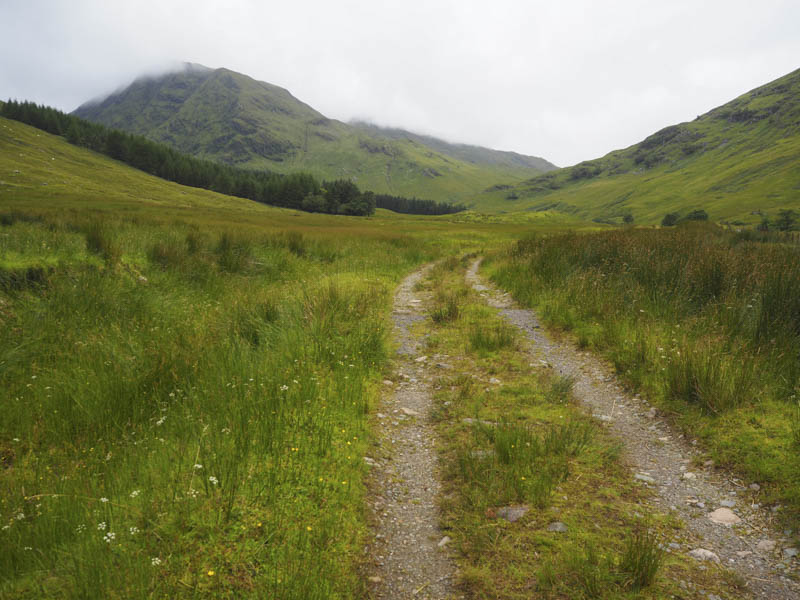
x=703, y=498
x=409, y=553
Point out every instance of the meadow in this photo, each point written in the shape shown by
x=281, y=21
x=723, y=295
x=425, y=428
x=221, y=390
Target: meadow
x=187, y=379
x=705, y=321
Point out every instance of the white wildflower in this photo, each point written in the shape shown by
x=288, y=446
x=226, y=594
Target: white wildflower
x=135, y=493
x=213, y=480
x=80, y=528
x=284, y=388
x=101, y=526
x=155, y=561
x=198, y=466
x=103, y=499
x=19, y=516
x=109, y=537
x=133, y=530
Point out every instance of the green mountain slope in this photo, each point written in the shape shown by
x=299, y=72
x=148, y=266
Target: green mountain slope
x=227, y=116
x=736, y=161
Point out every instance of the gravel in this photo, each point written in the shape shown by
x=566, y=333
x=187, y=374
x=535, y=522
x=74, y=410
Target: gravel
x=409, y=557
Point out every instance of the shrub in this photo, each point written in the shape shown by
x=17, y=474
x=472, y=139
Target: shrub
x=696, y=215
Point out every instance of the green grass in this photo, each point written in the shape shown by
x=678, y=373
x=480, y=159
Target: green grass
x=524, y=441
x=189, y=372
x=705, y=322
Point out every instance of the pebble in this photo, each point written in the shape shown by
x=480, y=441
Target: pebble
x=409, y=411
x=728, y=503
x=688, y=475
x=495, y=381
x=644, y=477
x=513, y=513
x=755, y=487
x=703, y=554
x=557, y=526
x=724, y=516
x=790, y=552
x=421, y=359
x=444, y=541
x=766, y=546
x=388, y=383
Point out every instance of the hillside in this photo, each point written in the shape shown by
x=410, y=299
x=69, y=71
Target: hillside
x=227, y=116
x=736, y=161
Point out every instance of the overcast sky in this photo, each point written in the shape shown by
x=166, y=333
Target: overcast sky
x=568, y=80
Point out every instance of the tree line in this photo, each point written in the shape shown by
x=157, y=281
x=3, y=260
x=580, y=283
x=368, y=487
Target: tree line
x=301, y=191
x=416, y=206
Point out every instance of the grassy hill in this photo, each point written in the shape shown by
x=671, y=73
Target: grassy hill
x=227, y=116
x=735, y=161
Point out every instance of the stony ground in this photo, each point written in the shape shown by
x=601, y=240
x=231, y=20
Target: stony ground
x=724, y=520
x=409, y=552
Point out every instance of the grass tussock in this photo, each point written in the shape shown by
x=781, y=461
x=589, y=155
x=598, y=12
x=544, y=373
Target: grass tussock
x=641, y=559
x=491, y=338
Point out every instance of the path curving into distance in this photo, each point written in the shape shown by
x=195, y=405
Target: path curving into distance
x=409, y=553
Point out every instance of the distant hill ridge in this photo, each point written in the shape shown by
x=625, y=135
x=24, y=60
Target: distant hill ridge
x=739, y=162
x=223, y=115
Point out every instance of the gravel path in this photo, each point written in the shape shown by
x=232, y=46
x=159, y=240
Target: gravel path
x=409, y=553
x=662, y=459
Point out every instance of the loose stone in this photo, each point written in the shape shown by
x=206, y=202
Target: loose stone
x=513, y=513
x=766, y=546
x=724, y=516
x=703, y=554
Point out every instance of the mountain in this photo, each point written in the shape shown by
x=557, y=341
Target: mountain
x=226, y=116
x=737, y=162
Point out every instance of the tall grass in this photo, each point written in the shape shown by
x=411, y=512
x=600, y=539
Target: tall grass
x=184, y=413
x=703, y=319
x=523, y=463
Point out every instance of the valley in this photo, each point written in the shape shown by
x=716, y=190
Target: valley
x=537, y=397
